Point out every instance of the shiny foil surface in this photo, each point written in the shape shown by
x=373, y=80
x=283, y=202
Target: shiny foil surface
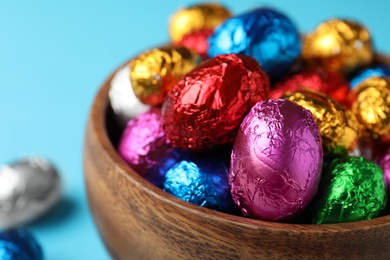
x=154, y=72
x=276, y=161
x=383, y=161
x=205, y=16
x=19, y=244
x=340, y=45
x=371, y=105
x=339, y=128
x=28, y=189
x=265, y=34
x=351, y=189
x=201, y=180
x=377, y=71
x=206, y=106
x=327, y=82
x=123, y=101
x=197, y=41
x=144, y=147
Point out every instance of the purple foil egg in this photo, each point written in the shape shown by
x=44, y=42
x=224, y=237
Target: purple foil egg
x=383, y=160
x=144, y=147
x=276, y=161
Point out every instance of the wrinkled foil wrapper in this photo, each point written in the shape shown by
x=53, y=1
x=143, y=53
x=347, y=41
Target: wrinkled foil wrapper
x=205, y=16
x=19, y=244
x=144, y=147
x=340, y=45
x=154, y=72
x=201, y=180
x=197, y=41
x=377, y=71
x=351, y=189
x=265, y=34
x=123, y=101
x=371, y=106
x=276, y=161
x=339, y=128
x=383, y=160
x=327, y=82
x=28, y=189
x=206, y=106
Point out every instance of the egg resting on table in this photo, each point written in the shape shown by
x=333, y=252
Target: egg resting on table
x=340, y=45
x=154, y=72
x=264, y=34
x=201, y=180
x=144, y=147
x=339, y=128
x=371, y=106
x=206, y=107
x=327, y=82
x=351, y=189
x=19, y=244
x=276, y=161
x=200, y=17
x=29, y=188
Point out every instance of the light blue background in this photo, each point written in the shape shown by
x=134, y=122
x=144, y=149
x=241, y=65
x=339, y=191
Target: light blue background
x=55, y=54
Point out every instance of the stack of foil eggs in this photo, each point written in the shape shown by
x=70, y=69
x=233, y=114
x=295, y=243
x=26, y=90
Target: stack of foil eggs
x=247, y=115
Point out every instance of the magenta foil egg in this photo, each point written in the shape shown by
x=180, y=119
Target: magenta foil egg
x=143, y=144
x=276, y=161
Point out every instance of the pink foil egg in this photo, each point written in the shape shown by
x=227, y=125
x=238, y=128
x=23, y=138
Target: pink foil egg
x=276, y=161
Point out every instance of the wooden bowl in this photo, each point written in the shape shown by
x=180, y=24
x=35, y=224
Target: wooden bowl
x=137, y=220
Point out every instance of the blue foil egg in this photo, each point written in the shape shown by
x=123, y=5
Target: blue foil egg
x=265, y=34
x=203, y=181
x=378, y=71
x=19, y=244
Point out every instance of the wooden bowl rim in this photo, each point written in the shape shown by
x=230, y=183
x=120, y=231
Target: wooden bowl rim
x=99, y=110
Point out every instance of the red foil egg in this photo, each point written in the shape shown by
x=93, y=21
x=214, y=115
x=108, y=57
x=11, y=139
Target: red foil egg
x=328, y=82
x=206, y=107
x=197, y=41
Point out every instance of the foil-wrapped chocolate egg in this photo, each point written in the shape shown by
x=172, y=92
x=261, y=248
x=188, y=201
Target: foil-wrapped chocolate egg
x=202, y=180
x=371, y=106
x=19, y=244
x=197, y=41
x=123, y=101
x=154, y=72
x=206, y=106
x=377, y=71
x=265, y=34
x=327, y=82
x=351, y=189
x=28, y=189
x=144, y=147
x=205, y=16
x=340, y=45
x=383, y=160
x=339, y=128
x=276, y=161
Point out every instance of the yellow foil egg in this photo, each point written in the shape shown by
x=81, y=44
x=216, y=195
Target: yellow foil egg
x=340, y=45
x=371, y=106
x=196, y=18
x=339, y=128
x=155, y=72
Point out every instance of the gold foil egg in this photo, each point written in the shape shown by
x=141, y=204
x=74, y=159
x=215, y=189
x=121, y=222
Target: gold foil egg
x=340, y=45
x=339, y=128
x=156, y=71
x=195, y=18
x=371, y=106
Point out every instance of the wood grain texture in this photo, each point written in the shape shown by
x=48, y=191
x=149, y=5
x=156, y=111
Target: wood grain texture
x=136, y=220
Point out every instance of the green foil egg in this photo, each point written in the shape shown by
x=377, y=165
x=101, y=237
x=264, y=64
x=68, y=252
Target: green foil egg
x=351, y=189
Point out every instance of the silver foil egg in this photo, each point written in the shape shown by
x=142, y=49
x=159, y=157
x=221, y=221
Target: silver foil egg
x=124, y=103
x=28, y=189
